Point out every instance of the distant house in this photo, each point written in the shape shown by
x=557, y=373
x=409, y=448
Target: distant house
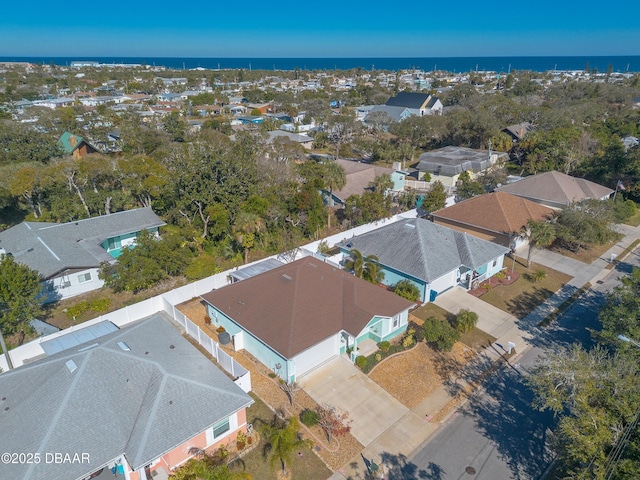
x=420, y=104
x=556, y=189
x=446, y=164
x=394, y=114
x=305, y=140
x=358, y=178
x=136, y=402
x=497, y=217
x=75, y=145
x=298, y=316
x=68, y=255
x=518, y=131
x=435, y=258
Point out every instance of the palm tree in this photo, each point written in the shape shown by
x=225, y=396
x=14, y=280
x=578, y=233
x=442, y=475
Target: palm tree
x=356, y=263
x=367, y=268
x=246, y=227
x=372, y=271
x=282, y=439
x=334, y=179
x=540, y=234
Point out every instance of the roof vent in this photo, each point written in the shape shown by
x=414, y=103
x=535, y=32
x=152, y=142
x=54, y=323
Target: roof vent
x=124, y=346
x=286, y=277
x=71, y=366
x=88, y=347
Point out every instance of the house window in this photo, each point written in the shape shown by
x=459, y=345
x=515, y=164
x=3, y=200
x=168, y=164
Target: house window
x=396, y=321
x=221, y=428
x=495, y=262
x=84, y=277
x=66, y=284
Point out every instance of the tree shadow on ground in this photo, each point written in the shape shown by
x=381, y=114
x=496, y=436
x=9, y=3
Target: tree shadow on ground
x=524, y=303
x=455, y=374
x=574, y=325
x=398, y=467
x=505, y=416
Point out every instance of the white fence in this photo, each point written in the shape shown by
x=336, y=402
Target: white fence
x=168, y=301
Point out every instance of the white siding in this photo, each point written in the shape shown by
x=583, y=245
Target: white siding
x=316, y=355
x=444, y=282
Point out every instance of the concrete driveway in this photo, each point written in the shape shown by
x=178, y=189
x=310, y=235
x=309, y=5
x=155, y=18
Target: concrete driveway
x=371, y=409
x=490, y=319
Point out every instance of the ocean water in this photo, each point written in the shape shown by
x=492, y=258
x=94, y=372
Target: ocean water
x=450, y=64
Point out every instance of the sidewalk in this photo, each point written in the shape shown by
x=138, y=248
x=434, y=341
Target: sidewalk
x=414, y=428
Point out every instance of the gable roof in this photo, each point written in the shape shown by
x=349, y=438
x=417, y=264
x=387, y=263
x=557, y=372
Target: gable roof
x=393, y=112
x=498, y=212
x=50, y=248
x=519, y=130
x=296, y=306
x=358, y=176
x=69, y=143
x=423, y=249
x=409, y=100
x=142, y=403
x=556, y=187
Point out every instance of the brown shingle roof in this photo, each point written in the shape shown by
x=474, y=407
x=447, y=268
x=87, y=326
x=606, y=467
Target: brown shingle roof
x=293, y=307
x=498, y=212
x=359, y=176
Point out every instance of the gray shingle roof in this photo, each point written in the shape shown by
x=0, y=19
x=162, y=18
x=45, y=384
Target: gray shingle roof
x=408, y=99
x=50, y=248
x=141, y=403
x=453, y=160
x=556, y=187
x=424, y=250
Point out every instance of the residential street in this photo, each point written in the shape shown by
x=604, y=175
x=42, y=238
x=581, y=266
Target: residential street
x=497, y=433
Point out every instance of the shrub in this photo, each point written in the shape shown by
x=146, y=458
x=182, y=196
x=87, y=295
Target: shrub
x=440, y=333
x=272, y=375
x=384, y=346
x=409, y=339
x=220, y=329
x=500, y=275
x=361, y=362
x=407, y=289
x=487, y=286
x=308, y=417
x=78, y=309
x=100, y=305
x=539, y=275
x=465, y=320
x=378, y=357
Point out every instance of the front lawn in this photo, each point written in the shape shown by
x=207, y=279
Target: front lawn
x=306, y=463
x=522, y=296
x=588, y=254
x=475, y=339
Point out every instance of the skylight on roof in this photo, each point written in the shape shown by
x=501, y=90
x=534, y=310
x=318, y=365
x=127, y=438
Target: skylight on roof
x=124, y=346
x=71, y=366
x=409, y=225
x=286, y=277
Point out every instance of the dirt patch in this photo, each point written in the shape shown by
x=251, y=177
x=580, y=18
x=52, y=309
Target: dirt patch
x=412, y=375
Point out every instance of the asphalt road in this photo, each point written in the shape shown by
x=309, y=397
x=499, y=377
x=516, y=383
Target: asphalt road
x=497, y=435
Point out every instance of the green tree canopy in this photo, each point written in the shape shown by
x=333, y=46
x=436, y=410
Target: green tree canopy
x=19, y=295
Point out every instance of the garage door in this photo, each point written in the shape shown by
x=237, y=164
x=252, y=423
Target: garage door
x=316, y=355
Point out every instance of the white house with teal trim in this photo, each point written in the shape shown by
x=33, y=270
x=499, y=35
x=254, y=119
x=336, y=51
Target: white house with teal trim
x=68, y=255
x=296, y=317
x=433, y=257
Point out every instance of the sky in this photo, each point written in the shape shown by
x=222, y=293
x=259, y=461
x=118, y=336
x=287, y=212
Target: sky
x=329, y=28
